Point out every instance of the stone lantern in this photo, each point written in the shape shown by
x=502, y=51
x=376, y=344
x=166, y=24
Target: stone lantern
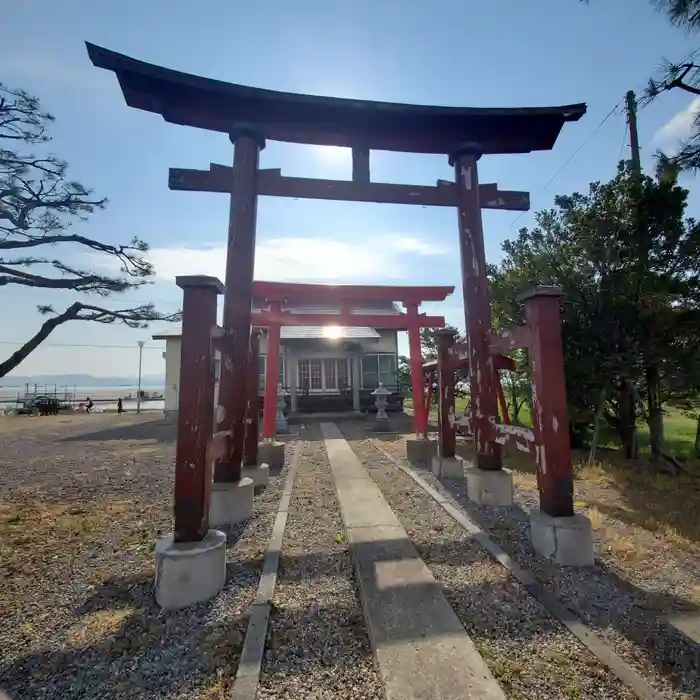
x=381, y=394
x=280, y=420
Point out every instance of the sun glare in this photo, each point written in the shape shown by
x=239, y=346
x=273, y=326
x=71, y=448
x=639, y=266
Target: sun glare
x=331, y=153
x=331, y=332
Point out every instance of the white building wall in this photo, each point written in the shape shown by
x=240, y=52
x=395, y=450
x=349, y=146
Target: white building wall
x=173, y=348
x=387, y=342
x=171, y=394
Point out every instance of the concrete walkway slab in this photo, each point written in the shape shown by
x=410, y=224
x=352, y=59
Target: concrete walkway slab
x=688, y=624
x=422, y=650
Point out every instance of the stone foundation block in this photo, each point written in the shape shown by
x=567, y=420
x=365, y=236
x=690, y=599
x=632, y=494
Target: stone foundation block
x=231, y=502
x=420, y=449
x=272, y=454
x=260, y=475
x=448, y=467
x=569, y=540
x=493, y=487
x=189, y=573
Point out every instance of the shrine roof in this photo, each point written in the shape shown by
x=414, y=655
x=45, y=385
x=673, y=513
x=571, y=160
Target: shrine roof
x=191, y=100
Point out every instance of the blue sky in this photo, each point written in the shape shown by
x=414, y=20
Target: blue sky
x=451, y=52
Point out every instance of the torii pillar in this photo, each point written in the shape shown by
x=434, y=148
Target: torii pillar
x=259, y=472
x=420, y=416
x=418, y=448
x=487, y=475
x=446, y=463
x=232, y=495
x=271, y=452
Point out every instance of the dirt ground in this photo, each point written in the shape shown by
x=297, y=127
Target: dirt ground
x=648, y=558
x=84, y=497
x=82, y=500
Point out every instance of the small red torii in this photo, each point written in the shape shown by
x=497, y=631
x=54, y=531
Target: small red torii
x=460, y=361
x=275, y=294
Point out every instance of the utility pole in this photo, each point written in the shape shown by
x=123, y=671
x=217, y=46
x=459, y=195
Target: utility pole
x=138, y=390
x=634, y=136
x=628, y=394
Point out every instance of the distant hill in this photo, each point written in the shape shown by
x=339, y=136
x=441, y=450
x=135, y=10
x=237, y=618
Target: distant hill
x=82, y=380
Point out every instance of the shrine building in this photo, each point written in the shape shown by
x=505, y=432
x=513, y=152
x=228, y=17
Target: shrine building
x=333, y=344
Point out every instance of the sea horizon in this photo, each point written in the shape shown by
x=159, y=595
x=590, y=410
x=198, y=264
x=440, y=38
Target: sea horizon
x=103, y=396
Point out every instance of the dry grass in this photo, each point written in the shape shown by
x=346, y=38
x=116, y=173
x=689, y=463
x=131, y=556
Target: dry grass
x=648, y=522
x=648, y=565
x=82, y=501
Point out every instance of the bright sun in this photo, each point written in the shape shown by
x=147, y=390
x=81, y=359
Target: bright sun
x=331, y=332
x=331, y=153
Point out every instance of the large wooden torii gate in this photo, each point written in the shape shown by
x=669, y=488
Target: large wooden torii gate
x=249, y=116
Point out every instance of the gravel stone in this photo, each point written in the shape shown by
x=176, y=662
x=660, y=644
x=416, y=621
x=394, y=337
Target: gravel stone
x=528, y=651
x=82, y=500
x=317, y=644
x=624, y=615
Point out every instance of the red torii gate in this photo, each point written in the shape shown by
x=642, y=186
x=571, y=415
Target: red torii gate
x=278, y=293
x=250, y=116
x=458, y=360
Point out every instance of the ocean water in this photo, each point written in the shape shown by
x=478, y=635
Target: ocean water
x=104, y=398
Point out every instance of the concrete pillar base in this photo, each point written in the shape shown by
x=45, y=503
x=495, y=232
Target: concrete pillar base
x=189, y=573
x=272, y=454
x=569, y=541
x=231, y=502
x=420, y=449
x=490, y=487
x=448, y=467
x=260, y=475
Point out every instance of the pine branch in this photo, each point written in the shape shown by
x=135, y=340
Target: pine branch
x=138, y=317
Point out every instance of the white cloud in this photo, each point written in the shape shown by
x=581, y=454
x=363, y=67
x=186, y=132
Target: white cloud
x=678, y=128
x=302, y=259
x=409, y=244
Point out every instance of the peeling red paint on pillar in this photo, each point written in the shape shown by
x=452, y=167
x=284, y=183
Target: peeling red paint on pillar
x=272, y=364
x=250, y=455
x=550, y=419
x=195, y=418
x=447, y=440
x=420, y=416
x=240, y=261
x=477, y=307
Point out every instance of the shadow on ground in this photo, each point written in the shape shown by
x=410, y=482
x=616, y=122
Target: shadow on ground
x=129, y=647
x=637, y=492
x=600, y=596
x=157, y=429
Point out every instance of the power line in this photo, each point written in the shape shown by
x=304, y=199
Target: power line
x=623, y=144
x=569, y=159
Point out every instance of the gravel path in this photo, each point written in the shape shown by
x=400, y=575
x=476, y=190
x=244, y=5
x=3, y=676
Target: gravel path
x=625, y=616
x=317, y=643
x=530, y=653
x=81, y=505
